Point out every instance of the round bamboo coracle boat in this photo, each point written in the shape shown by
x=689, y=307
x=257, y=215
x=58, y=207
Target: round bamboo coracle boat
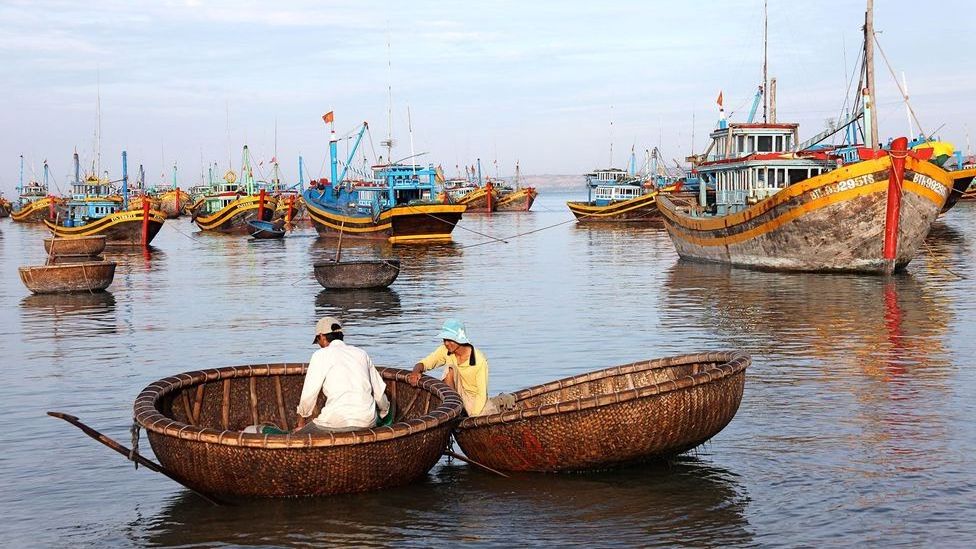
x=89, y=246
x=86, y=276
x=627, y=414
x=362, y=273
x=194, y=422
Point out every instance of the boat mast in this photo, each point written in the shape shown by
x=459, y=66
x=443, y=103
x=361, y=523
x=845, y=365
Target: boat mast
x=388, y=143
x=98, y=127
x=872, y=115
x=20, y=188
x=611, y=137
x=765, y=55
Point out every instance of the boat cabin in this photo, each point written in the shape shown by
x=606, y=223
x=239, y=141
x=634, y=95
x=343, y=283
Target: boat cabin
x=608, y=194
x=751, y=162
x=606, y=177
x=396, y=185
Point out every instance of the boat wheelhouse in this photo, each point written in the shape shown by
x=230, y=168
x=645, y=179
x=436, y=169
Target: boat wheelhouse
x=231, y=204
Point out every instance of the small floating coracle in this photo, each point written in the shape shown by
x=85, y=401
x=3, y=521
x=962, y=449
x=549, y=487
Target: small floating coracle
x=266, y=229
x=85, y=246
x=86, y=276
x=362, y=273
x=632, y=413
x=195, y=423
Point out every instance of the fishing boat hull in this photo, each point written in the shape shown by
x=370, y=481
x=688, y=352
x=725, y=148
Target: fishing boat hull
x=831, y=222
x=642, y=209
x=519, y=200
x=87, y=276
x=633, y=413
x=376, y=273
x=5, y=208
x=124, y=228
x=962, y=187
x=234, y=218
x=174, y=203
x=480, y=200
x=39, y=210
x=400, y=224
x=266, y=230
x=83, y=246
x=194, y=422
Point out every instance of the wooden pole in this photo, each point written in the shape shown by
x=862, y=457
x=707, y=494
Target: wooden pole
x=896, y=175
x=261, y=205
x=148, y=464
x=869, y=70
x=339, y=246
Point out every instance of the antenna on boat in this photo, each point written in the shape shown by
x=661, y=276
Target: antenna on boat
x=410, y=132
x=230, y=161
x=20, y=188
x=611, y=137
x=765, y=55
x=388, y=142
x=908, y=111
x=98, y=124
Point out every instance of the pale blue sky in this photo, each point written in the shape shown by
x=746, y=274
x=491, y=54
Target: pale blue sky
x=537, y=82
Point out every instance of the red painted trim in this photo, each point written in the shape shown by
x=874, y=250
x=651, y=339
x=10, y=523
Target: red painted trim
x=898, y=152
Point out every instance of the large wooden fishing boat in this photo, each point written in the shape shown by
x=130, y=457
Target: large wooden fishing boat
x=784, y=205
x=174, y=202
x=475, y=198
x=519, y=199
x=399, y=203
x=195, y=423
x=34, y=204
x=232, y=204
x=95, y=208
x=633, y=413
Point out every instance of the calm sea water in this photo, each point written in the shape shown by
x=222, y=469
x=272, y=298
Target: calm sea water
x=856, y=424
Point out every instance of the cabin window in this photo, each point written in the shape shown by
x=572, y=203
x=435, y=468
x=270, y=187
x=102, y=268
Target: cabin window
x=779, y=143
x=751, y=147
x=788, y=142
x=798, y=175
x=741, y=144
x=765, y=143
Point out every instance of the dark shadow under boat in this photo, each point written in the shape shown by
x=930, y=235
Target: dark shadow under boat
x=366, y=303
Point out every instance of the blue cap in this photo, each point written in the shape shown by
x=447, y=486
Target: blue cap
x=453, y=329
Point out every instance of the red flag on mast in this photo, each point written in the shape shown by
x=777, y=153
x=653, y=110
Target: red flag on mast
x=719, y=100
x=328, y=117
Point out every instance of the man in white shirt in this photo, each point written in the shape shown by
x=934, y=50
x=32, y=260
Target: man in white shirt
x=353, y=389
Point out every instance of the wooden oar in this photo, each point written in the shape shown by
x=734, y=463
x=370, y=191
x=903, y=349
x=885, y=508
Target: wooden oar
x=473, y=462
x=149, y=464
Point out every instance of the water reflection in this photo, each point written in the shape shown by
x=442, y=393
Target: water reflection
x=77, y=315
x=881, y=326
x=358, y=304
x=325, y=248
x=686, y=502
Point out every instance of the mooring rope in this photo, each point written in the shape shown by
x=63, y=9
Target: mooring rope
x=134, y=431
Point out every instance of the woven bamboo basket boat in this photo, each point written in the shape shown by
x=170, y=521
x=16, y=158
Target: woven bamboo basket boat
x=626, y=414
x=85, y=276
x=194, y=423
x=360, y=273
x=89, y=246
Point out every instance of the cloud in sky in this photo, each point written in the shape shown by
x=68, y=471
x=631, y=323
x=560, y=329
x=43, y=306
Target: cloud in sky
x=537, y=82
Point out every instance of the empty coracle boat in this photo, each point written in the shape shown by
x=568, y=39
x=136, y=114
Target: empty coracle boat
x=195, y=421
x=626, y=414
x=86, y=276
x=85, y=246
x=362, y=273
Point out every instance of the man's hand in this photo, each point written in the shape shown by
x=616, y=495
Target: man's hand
x=413, y=378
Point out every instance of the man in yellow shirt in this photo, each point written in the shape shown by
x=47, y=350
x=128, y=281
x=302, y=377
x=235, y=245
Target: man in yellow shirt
x=467, y=368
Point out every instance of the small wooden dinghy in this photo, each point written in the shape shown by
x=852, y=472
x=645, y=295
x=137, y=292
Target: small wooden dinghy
x=265, y=230
x=85, y=246
x=627, y=414
x=86, y=276
x=361, y=273
x=194, y=422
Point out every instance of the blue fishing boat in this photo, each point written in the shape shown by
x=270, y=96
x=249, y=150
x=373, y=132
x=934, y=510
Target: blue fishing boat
x=398, y=204
x=95, y=208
